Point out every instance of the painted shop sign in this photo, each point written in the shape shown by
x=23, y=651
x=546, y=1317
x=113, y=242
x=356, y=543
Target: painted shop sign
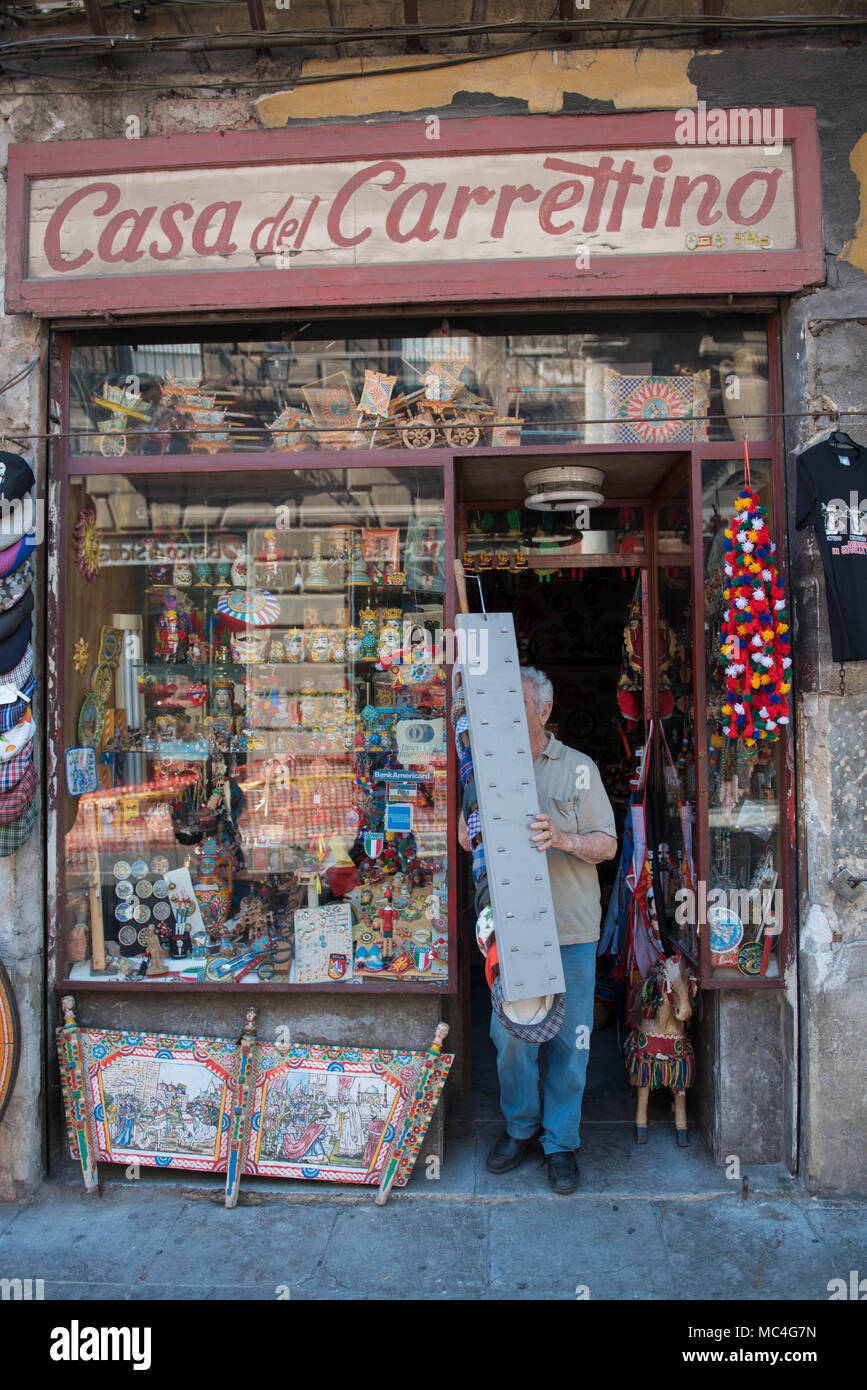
x=572, y=206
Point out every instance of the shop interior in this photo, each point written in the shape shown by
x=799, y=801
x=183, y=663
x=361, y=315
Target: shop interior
x=580, y=595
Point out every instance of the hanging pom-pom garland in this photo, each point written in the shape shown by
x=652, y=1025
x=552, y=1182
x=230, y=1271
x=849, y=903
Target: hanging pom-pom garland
x=754, y=637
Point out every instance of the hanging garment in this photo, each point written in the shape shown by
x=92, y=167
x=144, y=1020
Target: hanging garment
x=832, y=496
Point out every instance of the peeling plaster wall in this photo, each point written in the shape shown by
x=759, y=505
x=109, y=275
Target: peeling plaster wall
x=756, y=1103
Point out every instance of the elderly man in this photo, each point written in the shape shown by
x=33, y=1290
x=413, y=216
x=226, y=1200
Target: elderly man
x=575, y=829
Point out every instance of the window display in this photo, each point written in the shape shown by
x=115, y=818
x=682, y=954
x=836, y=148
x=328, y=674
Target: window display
x=255, y=758
x=462, y=385
x=744, y=904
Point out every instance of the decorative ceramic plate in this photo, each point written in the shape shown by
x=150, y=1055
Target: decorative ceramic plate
x=144, y=888
x=121, y=869
x=750, y=958
x=726, y=930
x=124, y=912
x=142, y=913
x=127, y=936
x=124, y=889
x=162, y=912
x=159, y=865
x=160, y=888
x=139, y=868
x=248, y=608
x=91, y=721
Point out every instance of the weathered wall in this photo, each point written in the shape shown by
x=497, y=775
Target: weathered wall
x=754, y=1095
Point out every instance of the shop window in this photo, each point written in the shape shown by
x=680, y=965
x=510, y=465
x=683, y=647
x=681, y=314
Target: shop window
x=628, y=379
x=744, y=908
x=255, y=740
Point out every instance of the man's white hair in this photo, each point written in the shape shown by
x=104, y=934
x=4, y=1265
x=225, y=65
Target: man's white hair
x=541, y=689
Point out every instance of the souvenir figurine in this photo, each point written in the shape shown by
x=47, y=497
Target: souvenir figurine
x=320, y=645
x=203, y=575
x=182, y=575
x=269, y=556
x=223, y=576
x=239, y=570
x=169, y=635
x=353, y=643
x=250, y=649
x=156, y=963
x=316, y=576
x=294, y=645
x=276, y=651
x=222, y=653
x=389, y=638
x=358, y=570
x=308, y=705
x=340, y=547
x=298, y=579
x=369, y=634
x=194, y=650
x=338, y=645
x=222, y=696
x=387, y=916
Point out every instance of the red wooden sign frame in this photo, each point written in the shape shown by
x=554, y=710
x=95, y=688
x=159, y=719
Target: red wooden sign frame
x=422, y=282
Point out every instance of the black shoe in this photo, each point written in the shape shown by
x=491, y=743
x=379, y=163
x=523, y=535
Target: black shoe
x=562, y=1172
x=506, y=1153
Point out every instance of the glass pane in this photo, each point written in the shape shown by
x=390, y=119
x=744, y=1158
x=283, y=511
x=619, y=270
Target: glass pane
x=622, y=379
x=677, y=871
x=254, y=717
x=744, y=892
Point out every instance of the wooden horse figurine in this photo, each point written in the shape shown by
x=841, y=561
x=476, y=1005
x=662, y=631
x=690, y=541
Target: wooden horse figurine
x=658, y=1051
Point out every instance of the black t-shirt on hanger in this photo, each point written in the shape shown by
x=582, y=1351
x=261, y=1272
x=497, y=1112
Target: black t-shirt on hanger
x=832, y=494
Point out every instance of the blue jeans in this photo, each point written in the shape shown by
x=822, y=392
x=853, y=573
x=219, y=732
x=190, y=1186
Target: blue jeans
x=556, y=1104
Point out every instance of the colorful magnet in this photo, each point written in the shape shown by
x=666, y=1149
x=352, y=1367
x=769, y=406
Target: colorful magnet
x=80, y=655
x=81, y=771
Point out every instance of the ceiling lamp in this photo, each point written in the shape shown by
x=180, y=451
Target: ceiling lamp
x=564, y=489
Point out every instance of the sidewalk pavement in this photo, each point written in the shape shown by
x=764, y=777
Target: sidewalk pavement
x=646, y=1223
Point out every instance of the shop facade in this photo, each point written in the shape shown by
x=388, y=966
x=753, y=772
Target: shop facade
x=294, y=383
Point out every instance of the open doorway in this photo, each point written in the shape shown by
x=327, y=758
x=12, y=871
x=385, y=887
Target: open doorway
x=606, y=615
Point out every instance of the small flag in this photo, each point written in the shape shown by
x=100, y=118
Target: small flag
x=373, y=842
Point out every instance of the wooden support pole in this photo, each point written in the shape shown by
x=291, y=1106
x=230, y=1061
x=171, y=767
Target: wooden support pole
x=433, y=1052
x=75, y=1087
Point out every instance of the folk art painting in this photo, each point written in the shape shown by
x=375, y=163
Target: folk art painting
x=335, y=1114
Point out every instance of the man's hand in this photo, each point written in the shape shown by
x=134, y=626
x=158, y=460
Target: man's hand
x=594, y=847
x=548, y=836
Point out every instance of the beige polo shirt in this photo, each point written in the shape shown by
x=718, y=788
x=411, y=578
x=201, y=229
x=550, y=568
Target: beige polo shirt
x=570, y=791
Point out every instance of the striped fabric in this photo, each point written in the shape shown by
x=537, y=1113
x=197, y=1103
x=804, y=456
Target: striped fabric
x=15, y=802
x=15, y=767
